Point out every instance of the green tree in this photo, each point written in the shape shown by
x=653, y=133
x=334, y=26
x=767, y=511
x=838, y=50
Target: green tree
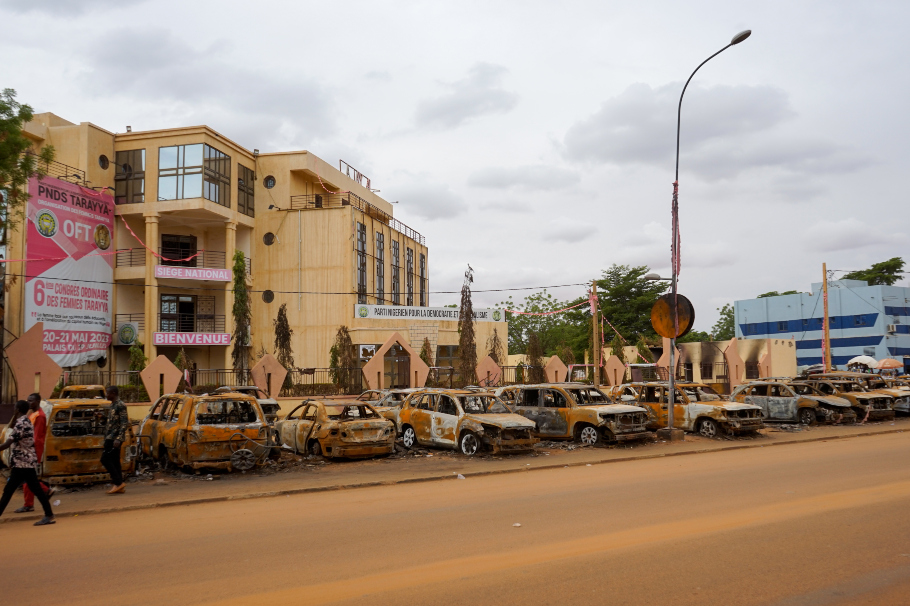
x=242, y=314
x=425, y=352
x=774, y=293
x=724, y=329
x=626, y=299
x=16, y=166
x=553, y=330
x=342, y=361
x=644, y=351
x=616, y=348
x=138, y=361
x=694, y=336
x=885, y=273
x=467, y=347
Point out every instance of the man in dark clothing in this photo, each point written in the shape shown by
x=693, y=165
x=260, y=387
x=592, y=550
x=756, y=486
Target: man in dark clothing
x=118, y=421
x=22, y=461
x=39, y=422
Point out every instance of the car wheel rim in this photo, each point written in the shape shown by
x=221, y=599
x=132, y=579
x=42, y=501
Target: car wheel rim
x=409, y=437
x=707, y=429
x=469, y=444
x=589, y=435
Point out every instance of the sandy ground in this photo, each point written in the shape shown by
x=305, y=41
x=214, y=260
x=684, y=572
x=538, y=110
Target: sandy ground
x=813, y=523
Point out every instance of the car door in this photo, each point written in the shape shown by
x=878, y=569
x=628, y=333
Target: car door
x=781, y=405
x=553, y=418
x=651, y=398
x=167, y=424
x=421, y=418
x=757, y=395
x=151, y=427
x=526, y=402
x=305, y=427
x=287, y=427
x=445, y=421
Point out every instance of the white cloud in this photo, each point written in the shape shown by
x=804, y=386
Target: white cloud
x=537, y=177
x=420, y=196
x=849, y=234
x=65, y=7
x=479, y=94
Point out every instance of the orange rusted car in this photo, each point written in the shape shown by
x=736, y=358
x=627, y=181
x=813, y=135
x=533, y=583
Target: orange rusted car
x=467, y=420
x=336, y=429
x=223, y=431
x=75, y=437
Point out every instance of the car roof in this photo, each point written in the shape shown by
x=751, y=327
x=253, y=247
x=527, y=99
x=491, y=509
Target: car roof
x=101, y=387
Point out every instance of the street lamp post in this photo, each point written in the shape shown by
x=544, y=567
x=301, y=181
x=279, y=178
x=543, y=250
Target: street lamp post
x=674, y=246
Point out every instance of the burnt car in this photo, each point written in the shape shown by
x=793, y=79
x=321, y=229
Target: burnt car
x=390, y=404
x=624, y=393
x=577, y=411
x=698, y=408
x=75, y=438
x=465, y=420
x=334, y=429
x=220, y=431
x=371, y=396
x=867, y=405
x=895, y=388
x=270, y=406
x=793, y=402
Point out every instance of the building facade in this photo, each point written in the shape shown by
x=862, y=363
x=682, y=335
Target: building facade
x=863, y=320
x=313, y=238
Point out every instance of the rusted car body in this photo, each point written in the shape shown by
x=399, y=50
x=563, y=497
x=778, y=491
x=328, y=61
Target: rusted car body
x=389, y=406
x=698, y=408
x=624, y=393
x=271, y=409
x=793, y=402
x=348, y=429
x=75, y=437
x=867, y=405
x=466, y=420
x=897, y=389
x=577, y=411
x=203, y=431
x=371, y=396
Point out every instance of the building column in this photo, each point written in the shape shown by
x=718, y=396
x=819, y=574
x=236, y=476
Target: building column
x=152, y=304
x=230, y=245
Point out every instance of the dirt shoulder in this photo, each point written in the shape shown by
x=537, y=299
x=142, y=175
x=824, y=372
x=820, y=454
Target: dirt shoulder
x=295, y=474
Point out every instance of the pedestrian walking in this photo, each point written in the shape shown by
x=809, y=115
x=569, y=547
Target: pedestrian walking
x=23, y=460
x=39, y=423
x=114, y=432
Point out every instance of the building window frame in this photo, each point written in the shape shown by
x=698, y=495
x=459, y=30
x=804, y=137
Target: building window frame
x=409, y=259
x=129, y=177
x=245, y=190
x=783, y=326
x=361, y=262
x=194, y=170
x=380, y=268
x=396, y=273
x=423, y=280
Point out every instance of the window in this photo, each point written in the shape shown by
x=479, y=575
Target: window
x=859, y=320
x=447, y=406
x=751, y=329
x=446, y=355
x=752, y=370
x=174, y=247
x=782, y=326
x=423, y=280
x=805, y=323
x=194, y=171
x=269, y=182
x=129, y=177
x=553, y=399
x=396, y=274
x=426, y=402
x=361, y=263
x=530, y=397
x=380, y=268
x=310, y=412
x=188, y=313
x=245, y=190
x=707, y=371
x=410, y=277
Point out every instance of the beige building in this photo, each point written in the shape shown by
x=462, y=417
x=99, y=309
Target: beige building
x=313, y=237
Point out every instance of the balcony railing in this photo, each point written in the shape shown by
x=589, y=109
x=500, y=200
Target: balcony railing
x=138, y=319
x=130, y=257
x=210, y=259
x=327, y=200
x=59, y=170
x=190, y=323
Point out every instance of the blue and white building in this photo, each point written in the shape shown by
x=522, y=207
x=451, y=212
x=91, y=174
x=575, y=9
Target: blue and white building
x=864, y=320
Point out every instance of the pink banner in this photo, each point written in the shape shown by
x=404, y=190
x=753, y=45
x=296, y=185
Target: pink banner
x=69, y=282
x=193, y=273
x=191, y=338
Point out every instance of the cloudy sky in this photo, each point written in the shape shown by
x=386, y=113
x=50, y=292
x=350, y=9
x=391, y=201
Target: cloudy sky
x=533, y=140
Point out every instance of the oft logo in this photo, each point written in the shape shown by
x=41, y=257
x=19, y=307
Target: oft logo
x=362, y=311
x=46, y=223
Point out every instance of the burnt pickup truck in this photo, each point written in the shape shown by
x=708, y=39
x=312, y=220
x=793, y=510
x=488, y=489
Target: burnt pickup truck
x=578, y=412
x=698, y=408
x=793, y=402
x=868, y=406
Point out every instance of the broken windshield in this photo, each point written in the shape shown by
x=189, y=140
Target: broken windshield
x=802, y=389
x=226, y=412
x=702, y=393
x=588, y=396
x=82, y=394
x=483, y=405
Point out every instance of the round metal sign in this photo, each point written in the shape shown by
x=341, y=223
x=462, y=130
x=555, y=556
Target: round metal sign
x=662, y=316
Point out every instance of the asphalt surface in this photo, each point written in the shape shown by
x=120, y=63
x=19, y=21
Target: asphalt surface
x=801, y=524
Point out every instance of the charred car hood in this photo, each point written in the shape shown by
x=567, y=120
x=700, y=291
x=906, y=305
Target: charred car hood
x=504, y=420
x=829, y=400
x=732, y=405
x=612, y=409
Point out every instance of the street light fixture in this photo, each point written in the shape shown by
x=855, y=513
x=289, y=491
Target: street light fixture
x=674, y=246
x=655, y=278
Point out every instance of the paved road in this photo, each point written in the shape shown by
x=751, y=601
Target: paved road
x=805, y=524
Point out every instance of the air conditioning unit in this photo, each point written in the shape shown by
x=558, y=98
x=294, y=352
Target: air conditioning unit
x=892, y=328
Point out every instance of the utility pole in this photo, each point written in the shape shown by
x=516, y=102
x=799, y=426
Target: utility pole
x=595, y=341
x=826, y=354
